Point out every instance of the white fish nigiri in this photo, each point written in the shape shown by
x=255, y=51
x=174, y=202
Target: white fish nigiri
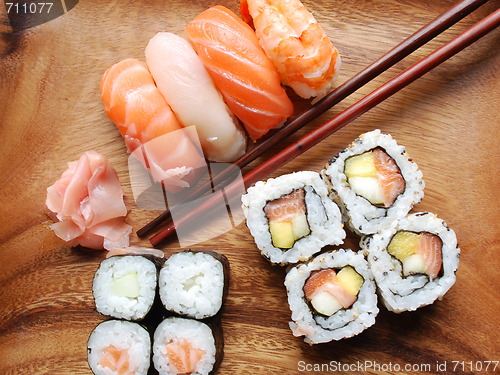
x=189, y=90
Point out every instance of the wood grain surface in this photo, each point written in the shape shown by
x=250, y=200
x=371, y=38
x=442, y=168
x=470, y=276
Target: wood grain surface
x=50, y=113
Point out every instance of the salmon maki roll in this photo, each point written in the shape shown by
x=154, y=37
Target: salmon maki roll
x=118, y=347
x=374, y=181
x=414, y=261
x=300, y=49
x=240, y=69
x=187, y=346
x=331, y=297
x=148, y=125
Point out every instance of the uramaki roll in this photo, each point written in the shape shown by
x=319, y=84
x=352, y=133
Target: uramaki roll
x=291, y=217
x=374, y=182
x=414, y=262
x=331, y=297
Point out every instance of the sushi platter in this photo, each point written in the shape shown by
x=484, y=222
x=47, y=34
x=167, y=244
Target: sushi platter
x=372, y=252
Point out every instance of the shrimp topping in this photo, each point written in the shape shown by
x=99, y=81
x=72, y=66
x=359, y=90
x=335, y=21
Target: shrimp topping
x=292, y=38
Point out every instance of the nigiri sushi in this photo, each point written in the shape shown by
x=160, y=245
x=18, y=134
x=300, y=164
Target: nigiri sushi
x=187, y=87
x=240, y=69
x=299, y=48
x=134, y=103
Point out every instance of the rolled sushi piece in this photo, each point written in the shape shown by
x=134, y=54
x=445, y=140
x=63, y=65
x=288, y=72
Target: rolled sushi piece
x=414, y=262
x=331, y=297
x=187, y=346
x=124, y=287
x=118, y=347
x=291, y=217
x=374, y=182
x=194, y=283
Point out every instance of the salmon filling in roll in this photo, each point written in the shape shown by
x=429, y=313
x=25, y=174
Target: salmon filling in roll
x=374, y=175
x=419, y=253
x=329, y=291
x=287, y=219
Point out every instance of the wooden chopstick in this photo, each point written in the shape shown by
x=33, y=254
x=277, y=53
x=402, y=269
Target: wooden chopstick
x=409, y=45
x=402, y=80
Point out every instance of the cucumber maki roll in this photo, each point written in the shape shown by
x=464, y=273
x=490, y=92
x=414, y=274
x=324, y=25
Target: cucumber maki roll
x=118, y=347
x=187, y=346
x=124, y=287
x=194, y=283
x=414, y=262
x=331, y=297
x=374, y=181
x=291, y=217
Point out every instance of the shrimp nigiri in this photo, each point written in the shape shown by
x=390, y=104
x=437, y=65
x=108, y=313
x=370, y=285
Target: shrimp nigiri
x=187, y=87
x=301, y=51
x=240, y=69
x=134, y=103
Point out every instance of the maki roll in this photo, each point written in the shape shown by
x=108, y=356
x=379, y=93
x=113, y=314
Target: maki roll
x=124, y=287
x=374, y=181
x=194, y=283
x=414, y=262
x=117, y=347
x=331, y=297
x=186, y=346
x=291, y=217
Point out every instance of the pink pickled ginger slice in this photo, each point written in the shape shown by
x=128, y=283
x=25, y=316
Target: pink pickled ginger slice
x=87, y=203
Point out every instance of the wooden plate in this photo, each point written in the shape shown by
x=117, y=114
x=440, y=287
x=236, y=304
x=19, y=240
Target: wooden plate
x=50, y=113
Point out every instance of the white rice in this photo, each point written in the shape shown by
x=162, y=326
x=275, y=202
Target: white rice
x=122, y=335
x=361, y=215
x=344, y=323
x=192, y=284
x=323, y=216
x=123, y=307
x=199, y=335
x=400, y=293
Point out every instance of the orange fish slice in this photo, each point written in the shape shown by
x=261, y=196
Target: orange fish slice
x=389, y=175
x=240, y=69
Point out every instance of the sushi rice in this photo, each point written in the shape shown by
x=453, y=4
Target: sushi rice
x=407, y=293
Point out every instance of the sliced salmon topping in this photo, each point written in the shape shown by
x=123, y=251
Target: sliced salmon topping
x=287, y=207
x=430, y=246
x=240, y=69
x=183, y=356
x=116, y=359
x=389, y=175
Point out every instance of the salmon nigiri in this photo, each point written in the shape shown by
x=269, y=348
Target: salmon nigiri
x=240, y=69
x=186, y=85
x=134, y=103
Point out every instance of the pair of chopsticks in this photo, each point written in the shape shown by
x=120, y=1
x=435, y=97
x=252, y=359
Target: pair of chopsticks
x=422, y=36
